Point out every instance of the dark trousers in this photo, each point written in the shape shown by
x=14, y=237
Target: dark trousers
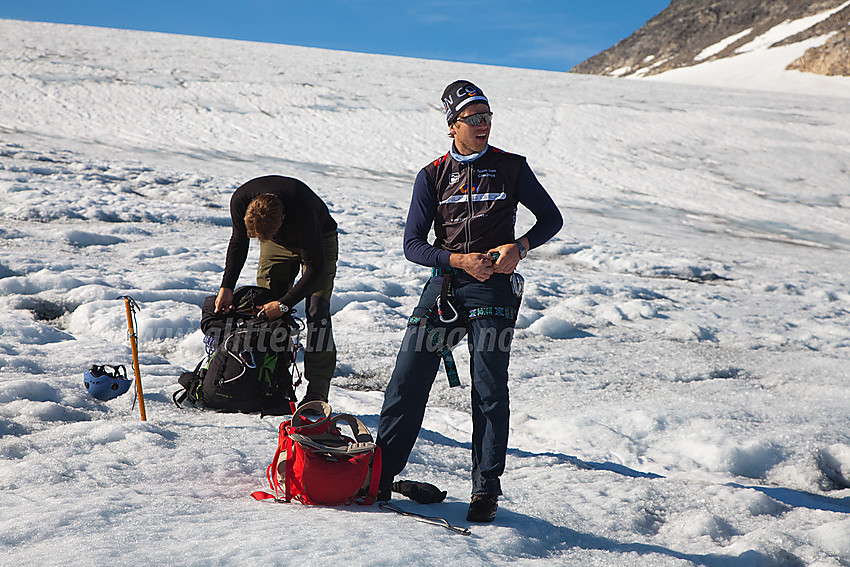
x=277, y=269
x=417, y=364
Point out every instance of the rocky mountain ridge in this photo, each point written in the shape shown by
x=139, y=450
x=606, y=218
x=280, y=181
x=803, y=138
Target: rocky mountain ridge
x=691, y=32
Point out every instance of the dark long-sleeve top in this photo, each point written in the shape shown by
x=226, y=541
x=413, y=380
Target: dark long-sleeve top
x=306, y=219
x=423, y=205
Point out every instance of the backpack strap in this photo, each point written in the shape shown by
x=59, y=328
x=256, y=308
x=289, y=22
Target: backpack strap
x=301, y=424
x=333, y=442
x=283, y=443
x=315, y=444
x=360, y=431
x=369, y=491
x=190, y=381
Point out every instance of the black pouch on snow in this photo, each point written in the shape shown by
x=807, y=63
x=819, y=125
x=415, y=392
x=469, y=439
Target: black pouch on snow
x=249, y=368
x=422, y=492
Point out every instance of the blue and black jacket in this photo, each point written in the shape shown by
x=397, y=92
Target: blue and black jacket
x=472, y=206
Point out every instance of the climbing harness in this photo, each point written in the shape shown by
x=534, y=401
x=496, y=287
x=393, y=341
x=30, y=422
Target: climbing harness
x=482, y=312
x=446, y=312
x=444, y=298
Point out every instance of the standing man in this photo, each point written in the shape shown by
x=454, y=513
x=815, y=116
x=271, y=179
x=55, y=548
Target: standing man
x=470, y=197
x=296, y=233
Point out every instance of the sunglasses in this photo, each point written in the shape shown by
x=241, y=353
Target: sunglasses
x=477, y=119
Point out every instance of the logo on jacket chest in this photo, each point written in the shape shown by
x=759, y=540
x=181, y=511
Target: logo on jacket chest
x=477, y=175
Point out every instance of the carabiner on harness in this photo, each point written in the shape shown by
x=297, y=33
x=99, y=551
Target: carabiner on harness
x=247, y=358
x=517, y=284
x=454, y=311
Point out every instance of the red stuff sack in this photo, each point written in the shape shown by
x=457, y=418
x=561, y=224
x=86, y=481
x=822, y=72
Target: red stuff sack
x=316, y=463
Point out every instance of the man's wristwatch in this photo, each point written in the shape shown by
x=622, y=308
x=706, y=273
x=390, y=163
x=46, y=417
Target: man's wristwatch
x=284, y=309
x=522, y=250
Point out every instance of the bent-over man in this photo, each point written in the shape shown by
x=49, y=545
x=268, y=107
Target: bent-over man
x=296, y=234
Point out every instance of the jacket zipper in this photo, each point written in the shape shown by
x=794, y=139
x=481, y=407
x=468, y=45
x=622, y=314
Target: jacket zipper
x=467, y=230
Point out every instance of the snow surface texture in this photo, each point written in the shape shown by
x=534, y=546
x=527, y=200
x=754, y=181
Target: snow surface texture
x=757, y=66
x=679, y=378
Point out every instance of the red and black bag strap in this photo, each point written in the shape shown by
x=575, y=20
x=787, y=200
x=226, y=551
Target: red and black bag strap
x=306, y=426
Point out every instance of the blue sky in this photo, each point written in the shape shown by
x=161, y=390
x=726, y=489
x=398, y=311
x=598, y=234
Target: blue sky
x=538, y=34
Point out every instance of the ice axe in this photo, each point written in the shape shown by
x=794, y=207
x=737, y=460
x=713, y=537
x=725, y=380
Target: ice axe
x=132, y=306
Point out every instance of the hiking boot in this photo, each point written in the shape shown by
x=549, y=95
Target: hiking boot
x=482, y=508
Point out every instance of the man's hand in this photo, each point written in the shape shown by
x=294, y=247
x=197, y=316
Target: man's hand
x=271, y=310
x=508, y=258
x=224, y=300
x=479, y=266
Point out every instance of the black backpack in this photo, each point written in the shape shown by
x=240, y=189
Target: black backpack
x=249, y=359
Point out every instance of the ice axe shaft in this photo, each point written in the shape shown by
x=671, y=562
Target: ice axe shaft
x=130, y=304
